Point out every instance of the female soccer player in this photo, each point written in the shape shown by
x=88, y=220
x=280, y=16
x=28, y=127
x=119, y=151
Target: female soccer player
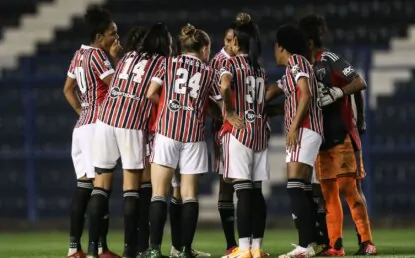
x=245, y=135
x=121, y=132
x=226, y=206
x=304, y=129
x=186, y=82
x=339, y=161
x=87, y=83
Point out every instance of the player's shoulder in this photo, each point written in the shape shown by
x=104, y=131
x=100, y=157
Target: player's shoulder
x=328, y=56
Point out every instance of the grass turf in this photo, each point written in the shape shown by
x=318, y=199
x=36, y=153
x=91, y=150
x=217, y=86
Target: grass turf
x=390, y=243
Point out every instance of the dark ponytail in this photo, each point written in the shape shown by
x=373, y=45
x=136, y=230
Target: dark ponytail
x=247, y=34
x=97, y=20
x=314, y=28
x=134, y=39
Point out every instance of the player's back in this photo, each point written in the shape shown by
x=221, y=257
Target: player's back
x=248, y=89
x=187, y=84
x=298, y=66
x=95, y=68
x=126, y=105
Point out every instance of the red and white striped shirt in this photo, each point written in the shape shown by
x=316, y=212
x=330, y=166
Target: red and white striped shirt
x=89, y=67
x=248, y=96
x=126, y=105
x=298, y=66
x=187, y=82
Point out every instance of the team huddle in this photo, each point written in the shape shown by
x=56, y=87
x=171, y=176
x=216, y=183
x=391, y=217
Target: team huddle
x=146, y=104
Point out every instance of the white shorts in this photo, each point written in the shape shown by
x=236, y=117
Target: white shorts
x=189, y=157
x=310, y=142
x=111, y=143
x=82, y=142
x=242, y=162
x=175, y=181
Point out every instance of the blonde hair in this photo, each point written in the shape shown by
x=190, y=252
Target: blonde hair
x=192, y=39
x=243, y=19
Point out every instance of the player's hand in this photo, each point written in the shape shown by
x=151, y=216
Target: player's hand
x=115, y=49
x=235, y=120
x=328, y=95
x=293, y=140
x=361, y=124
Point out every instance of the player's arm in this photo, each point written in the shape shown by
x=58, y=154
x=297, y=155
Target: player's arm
x=274, y=90
x=360, y=109
x=303, y=102
x=347, y=72
x=215, y=97
x=103, y=66
x=153, y=93
x=70, y=94
x=226, y=93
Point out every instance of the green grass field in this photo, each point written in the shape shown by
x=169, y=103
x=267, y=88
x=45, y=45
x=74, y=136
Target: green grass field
x=390, y=243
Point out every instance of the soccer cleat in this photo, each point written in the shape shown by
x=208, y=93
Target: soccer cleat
x=366, y=248
x=319, y=248
x=151, y=253
x=174, y=253
x=257, y=253
x=78, y=254
x=330, y=251
x=108, y=254
x=300, y=252
x=238, y=253
x=230, y=250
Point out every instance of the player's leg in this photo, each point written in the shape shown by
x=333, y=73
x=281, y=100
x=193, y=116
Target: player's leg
x=193, y=162
x=226, y=209
x=238, y=163
x=143, y=218
x=80, y=199
x=320, y=234
x=133, y=158
x=164, y=159
x=175, y=214
x=260, y=173
x=360, y=175
x=327, y=171
x=105, y=155
x=300, y=162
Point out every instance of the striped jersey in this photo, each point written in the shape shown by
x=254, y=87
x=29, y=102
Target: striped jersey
x=298, y=66
x=89, y=67
x=248, y=96
x=186, y=84
x=126, y=105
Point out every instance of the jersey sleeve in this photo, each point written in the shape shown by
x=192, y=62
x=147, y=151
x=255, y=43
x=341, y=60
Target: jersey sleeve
x=160, y=73
x=227, y=68
x=341, y=67
x=214, y=90
x=101, y=64
x=297, y=65
x=72, y=66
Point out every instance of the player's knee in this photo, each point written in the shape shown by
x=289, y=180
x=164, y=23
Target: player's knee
x=347, y=185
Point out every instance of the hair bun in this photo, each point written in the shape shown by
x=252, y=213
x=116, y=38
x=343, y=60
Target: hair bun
x=243, y=18
x=188, y=31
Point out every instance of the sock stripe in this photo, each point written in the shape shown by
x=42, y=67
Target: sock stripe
x=100, y=191
x=85, y=184
x=146, y=185
x=190, y=201
x=258, y=185
x=308, y=187
x=226, y=205
x=158, y=199
x=130, y=194
x=176, y=201
x=241, y=186
x=295, y=185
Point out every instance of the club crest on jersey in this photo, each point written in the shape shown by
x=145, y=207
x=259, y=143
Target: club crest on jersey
x=250, y=116
x=107, y=64
x=175, y=106
x=321, y=73
x=295, y=69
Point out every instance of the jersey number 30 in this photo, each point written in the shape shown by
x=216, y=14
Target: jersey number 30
x=256, y=89
x=181, y=84
x=138, y=70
